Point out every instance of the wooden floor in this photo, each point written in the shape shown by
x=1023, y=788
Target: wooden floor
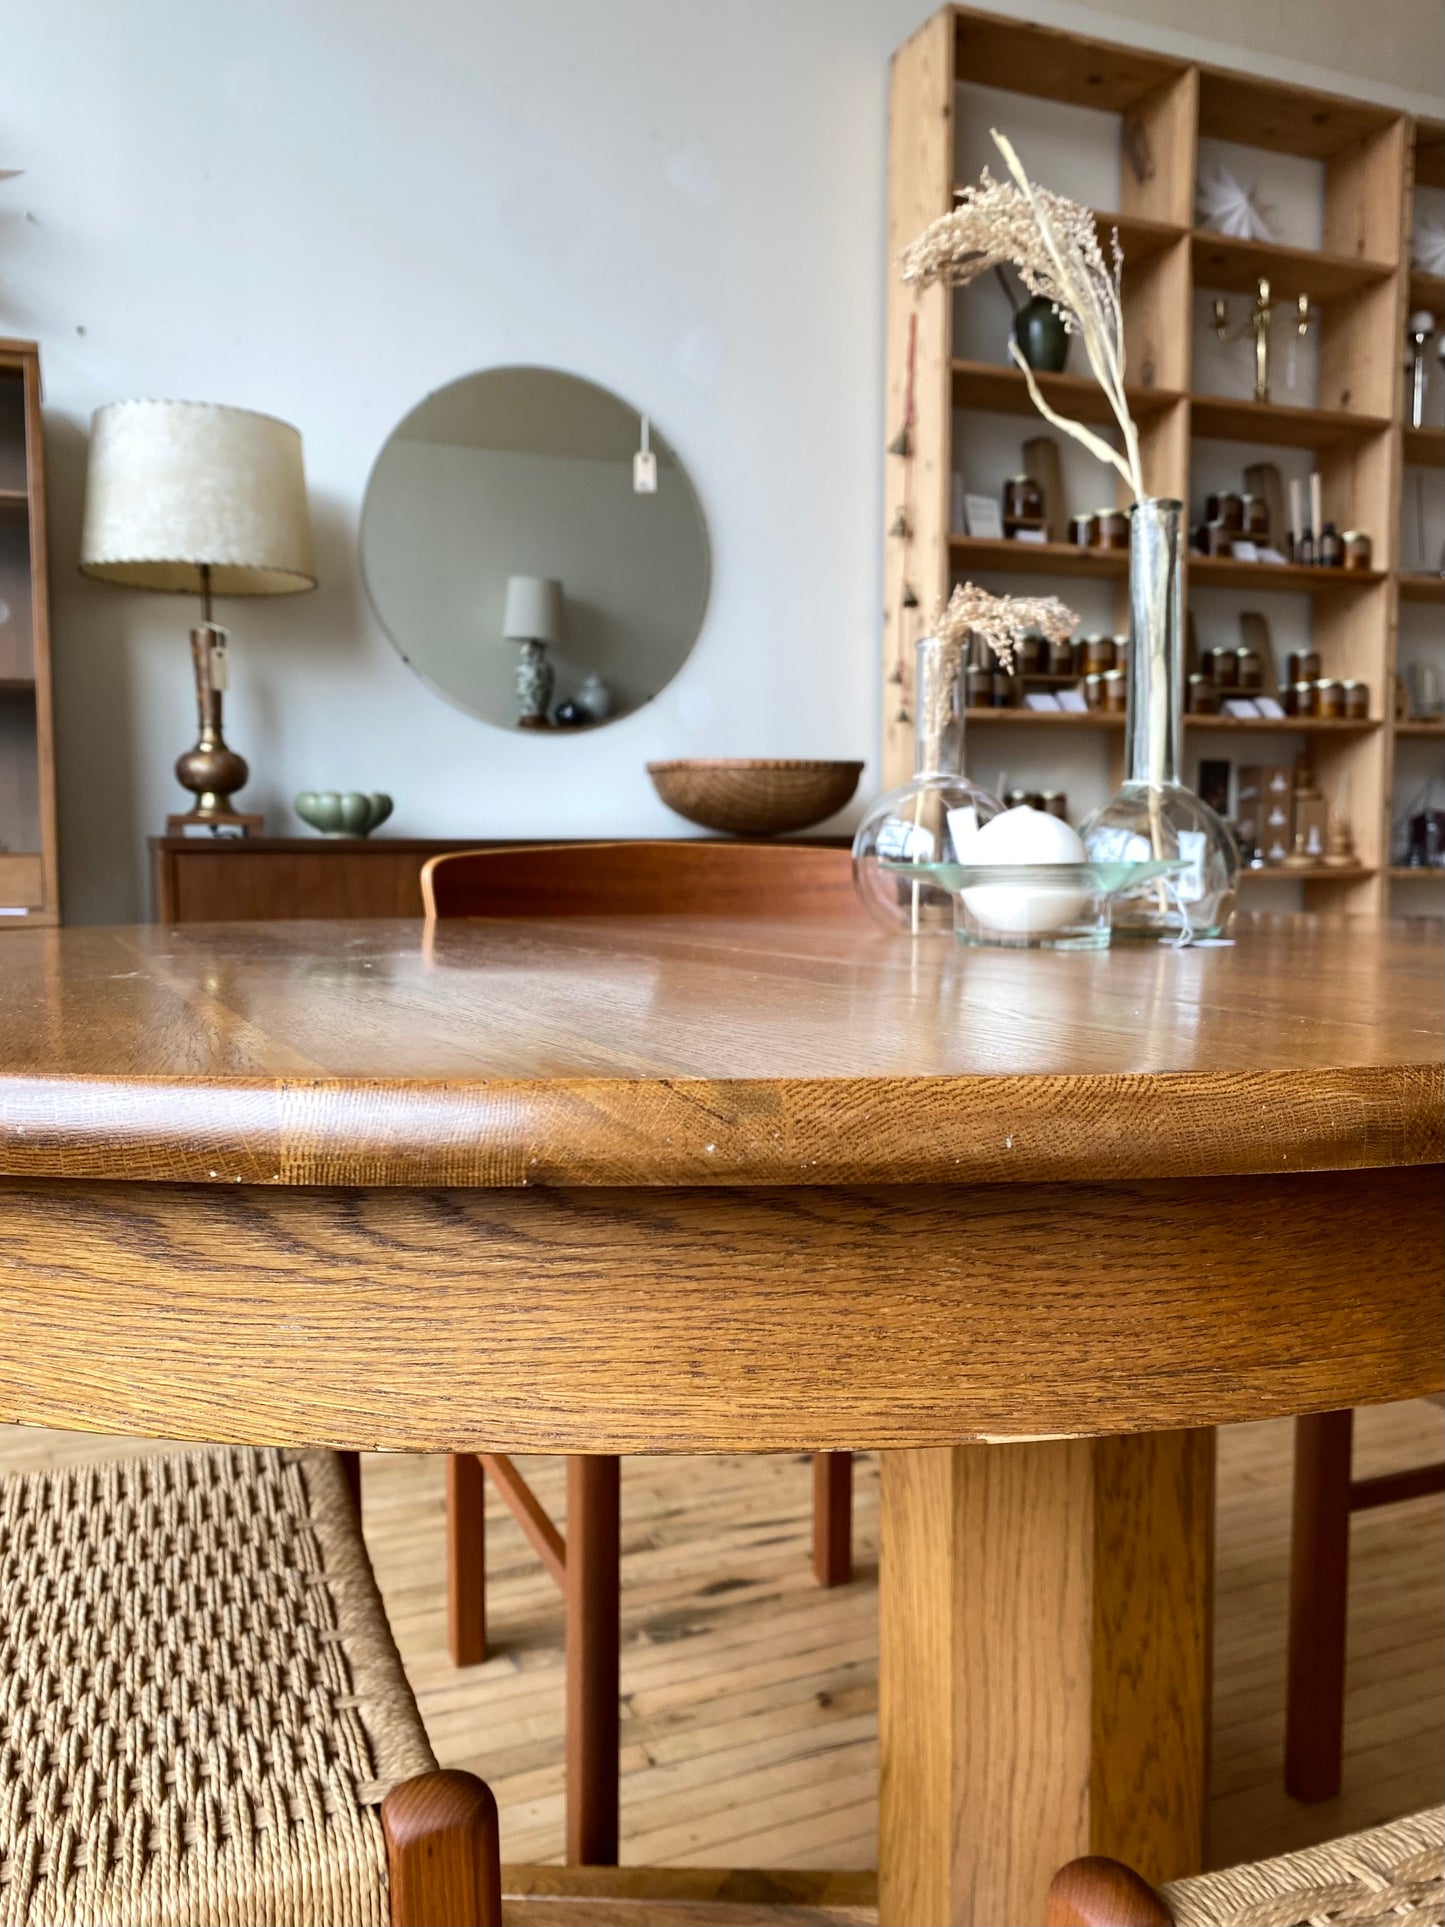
x=748, y=1715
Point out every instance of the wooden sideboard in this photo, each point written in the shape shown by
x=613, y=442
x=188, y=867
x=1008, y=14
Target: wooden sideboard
x=230, y=879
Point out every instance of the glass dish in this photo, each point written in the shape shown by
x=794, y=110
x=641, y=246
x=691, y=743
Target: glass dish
x=1042, y=906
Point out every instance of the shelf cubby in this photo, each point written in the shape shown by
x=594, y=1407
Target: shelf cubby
x=1277, y=424
x=1001, y=388
x=1235, y=266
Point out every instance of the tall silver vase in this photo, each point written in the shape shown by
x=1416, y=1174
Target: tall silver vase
x=1154, y=815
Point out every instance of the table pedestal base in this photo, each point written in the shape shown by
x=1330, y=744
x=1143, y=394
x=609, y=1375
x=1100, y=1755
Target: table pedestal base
x=1044, y=1665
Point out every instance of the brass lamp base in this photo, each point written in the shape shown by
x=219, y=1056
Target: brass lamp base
x=211, y=770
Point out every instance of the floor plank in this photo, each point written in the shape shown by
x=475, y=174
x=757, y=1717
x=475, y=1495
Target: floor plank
x=749, y=1696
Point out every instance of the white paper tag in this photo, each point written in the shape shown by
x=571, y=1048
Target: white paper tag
x=1042, y=699
x=1267, y=706
x=983, y=517
x=1031, y=535
x=1191, y=848
x=1073, y=701
x=644, y=472
x=1241, y=706
x=1245, y=551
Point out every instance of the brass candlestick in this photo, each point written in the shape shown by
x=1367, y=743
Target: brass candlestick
x=1256, y=327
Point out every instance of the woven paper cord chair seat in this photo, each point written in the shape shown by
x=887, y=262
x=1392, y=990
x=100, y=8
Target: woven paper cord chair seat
x=201, y=1706
x=1392, y=1876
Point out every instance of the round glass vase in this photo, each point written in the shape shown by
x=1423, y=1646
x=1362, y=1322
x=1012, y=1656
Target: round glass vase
x=926, y=819
x=1154, y=815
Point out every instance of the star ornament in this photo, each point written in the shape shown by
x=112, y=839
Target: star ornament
x=1230, y=206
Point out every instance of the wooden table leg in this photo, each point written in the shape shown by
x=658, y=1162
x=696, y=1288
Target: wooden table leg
x=593, y=1552
x=1044, y=1669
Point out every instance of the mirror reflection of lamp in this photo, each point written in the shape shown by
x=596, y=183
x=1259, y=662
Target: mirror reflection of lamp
x=533, y=619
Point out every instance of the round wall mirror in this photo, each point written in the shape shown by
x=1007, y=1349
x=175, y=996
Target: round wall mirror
x=535, y=550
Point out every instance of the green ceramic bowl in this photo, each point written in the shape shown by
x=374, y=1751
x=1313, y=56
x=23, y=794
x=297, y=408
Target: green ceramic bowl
x=343, y=812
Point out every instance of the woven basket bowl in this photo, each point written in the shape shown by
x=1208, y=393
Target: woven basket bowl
x=754, y=796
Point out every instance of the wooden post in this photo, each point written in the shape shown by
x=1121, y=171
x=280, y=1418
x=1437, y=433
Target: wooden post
x=593, y=1551
x=466, y=1559
x=1319, y=1575
x=832, y=1518
x=1044, y=1669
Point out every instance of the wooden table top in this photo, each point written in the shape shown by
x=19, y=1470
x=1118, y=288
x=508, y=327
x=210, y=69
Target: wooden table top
x=684, y=1051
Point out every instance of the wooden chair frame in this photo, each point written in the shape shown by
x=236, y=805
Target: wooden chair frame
x=1325, y=1495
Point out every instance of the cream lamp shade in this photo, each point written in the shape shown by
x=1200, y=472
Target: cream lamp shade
x=175, y=487
x=534, y=609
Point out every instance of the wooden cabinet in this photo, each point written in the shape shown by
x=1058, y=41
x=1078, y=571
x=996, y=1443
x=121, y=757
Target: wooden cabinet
x=216, y=879
x=29, y=887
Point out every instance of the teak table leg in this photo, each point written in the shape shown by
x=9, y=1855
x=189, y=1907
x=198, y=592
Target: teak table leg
x=1319, y=1585
x=593, y=1551
x=832, y=1518
x=1044, y=1628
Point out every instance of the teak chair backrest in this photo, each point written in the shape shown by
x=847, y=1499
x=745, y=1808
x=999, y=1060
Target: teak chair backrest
x=641, y=879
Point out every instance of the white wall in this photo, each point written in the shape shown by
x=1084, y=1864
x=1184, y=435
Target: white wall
x=325, y=209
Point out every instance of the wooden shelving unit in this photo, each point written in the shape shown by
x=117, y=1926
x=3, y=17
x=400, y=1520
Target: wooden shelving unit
x=1360, y=286
x=29, y=884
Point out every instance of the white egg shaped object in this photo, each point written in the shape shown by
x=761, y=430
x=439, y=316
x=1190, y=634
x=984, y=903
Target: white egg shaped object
x=1017, y=837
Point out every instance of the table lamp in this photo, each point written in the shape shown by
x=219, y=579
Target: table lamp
x=194, y=499
x=533, y=618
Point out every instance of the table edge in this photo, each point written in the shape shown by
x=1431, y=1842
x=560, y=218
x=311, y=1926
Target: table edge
x=511, y=1133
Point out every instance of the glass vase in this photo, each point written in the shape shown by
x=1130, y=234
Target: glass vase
x=1155, y=815
x=920, y=820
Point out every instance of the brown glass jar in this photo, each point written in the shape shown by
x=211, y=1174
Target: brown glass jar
x=1111, y=529
x=1227, y=508
x=1203, y=699
x=1303, y=665
x=1220, y=539
x=1223, y=667
x=1329, y=697
x=1096, y=654
x=1023, y=799
x=1094, y=691
x=1023, y=503
x=1249, y=671
x=978, y=688
x=1115, y=692
x=1061, y=657
x=1032, y=655
x=1331, y=553
x=1001, y=689
x=1082, y=531
x=1359, y=549
x=1056, y=803
x=1357, y=701
x=1255, y=517
x=1302, y=699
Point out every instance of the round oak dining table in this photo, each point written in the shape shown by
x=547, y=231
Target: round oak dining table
x=1030, y=1224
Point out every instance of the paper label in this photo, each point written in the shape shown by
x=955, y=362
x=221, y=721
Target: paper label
x=1192, y=845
